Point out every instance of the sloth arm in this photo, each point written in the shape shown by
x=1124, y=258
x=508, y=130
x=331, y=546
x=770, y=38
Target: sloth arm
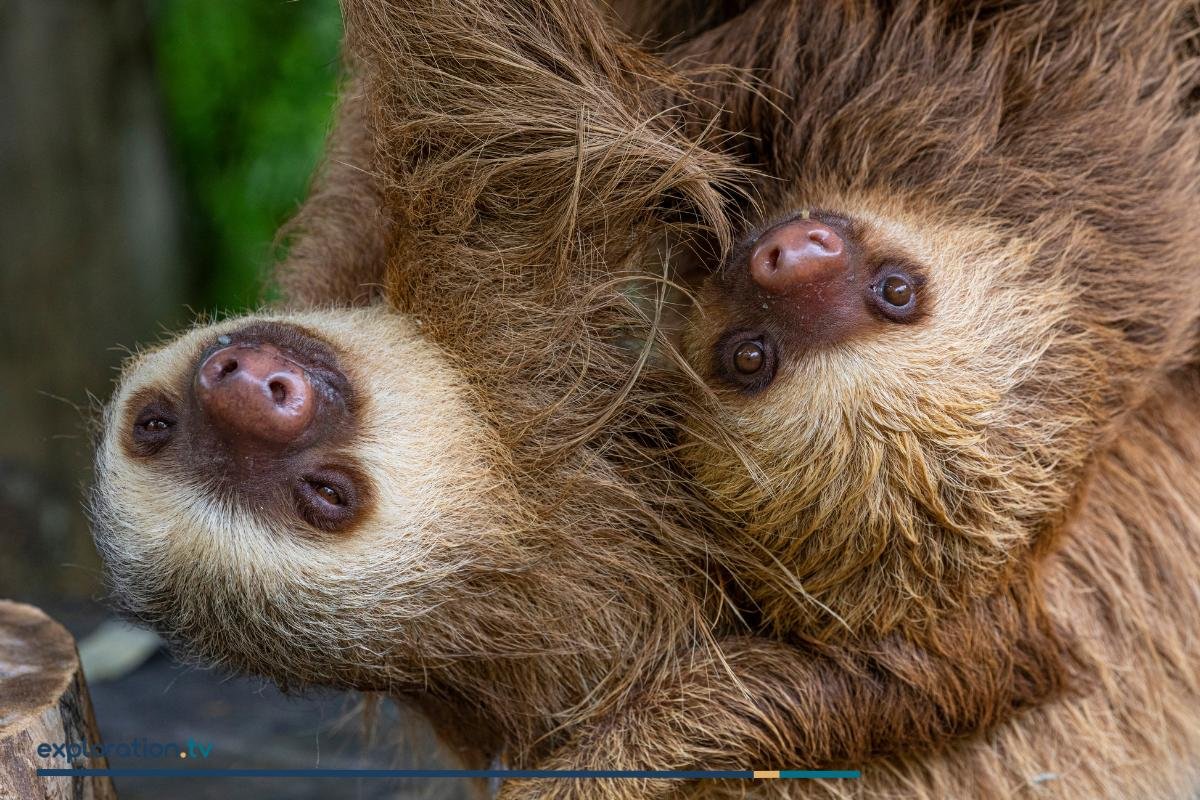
x=758, y=703
x=338, y=242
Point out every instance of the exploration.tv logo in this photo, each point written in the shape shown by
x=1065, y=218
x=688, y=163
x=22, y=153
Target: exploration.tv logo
x=137, y=748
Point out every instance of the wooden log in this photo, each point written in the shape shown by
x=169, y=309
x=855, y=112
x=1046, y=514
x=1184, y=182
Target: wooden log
x=43, y=700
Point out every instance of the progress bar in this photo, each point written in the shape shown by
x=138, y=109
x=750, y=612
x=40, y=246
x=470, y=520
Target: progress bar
x=502, y=774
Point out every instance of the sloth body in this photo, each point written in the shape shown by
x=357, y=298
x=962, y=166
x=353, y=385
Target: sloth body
x=431, y=575
x=939, y=351
x=950, y=541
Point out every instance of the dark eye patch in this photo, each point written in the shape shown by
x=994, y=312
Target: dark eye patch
x=328, y=498
x=746, y=360
x=895, y=293
x=154, y=426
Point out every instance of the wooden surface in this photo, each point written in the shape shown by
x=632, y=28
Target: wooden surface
x=43, y=700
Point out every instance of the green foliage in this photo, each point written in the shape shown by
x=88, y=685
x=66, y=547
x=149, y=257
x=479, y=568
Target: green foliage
x=249, y=87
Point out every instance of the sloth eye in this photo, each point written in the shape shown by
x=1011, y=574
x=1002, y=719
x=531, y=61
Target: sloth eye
x=746, y=360
x=329, y=494
x=326, y=499
x=895, y=296
x=153, y=428
x=897, y=290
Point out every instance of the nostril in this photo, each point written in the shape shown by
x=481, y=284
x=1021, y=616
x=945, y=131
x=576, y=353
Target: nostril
x=279, y=392
x=228, y=367
x=771, y=259
x=829, y=241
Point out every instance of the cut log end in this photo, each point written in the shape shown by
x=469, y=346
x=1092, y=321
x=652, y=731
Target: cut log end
x=43, y=700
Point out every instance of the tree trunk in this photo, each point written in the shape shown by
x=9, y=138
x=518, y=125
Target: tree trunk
x=89, y=259
x=43, y=702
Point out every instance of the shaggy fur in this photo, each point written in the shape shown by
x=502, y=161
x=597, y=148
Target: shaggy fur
x=455, y=586
x=1040, y=162
x=339, y=241
x=925, y=535
x=517, y=197
x=1035, y=160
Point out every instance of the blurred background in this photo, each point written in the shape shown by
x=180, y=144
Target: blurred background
x=149, y=150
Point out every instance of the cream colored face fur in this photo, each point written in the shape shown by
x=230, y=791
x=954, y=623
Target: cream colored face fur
x=896, y=469
x=254, y=588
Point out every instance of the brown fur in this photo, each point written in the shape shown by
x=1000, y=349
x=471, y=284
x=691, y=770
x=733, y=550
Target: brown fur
x=339, y=241
x=660, y=25
x=531, y=175
x=514, y=648
x=1036, y=160
x=1021, y=154
x=926, y=592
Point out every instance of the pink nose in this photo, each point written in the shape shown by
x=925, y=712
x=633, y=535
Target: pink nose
x=253, y=391
x=795, y=254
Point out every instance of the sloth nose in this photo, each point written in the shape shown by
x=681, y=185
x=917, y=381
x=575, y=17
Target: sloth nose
x=796, y=254
x=253, y=391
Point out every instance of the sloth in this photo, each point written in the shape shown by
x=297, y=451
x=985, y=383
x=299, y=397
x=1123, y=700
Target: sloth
x=950, y=368
x=949, y=539
x=405, y=478
x=941, y=311
x=316, y=497
x=945, y=376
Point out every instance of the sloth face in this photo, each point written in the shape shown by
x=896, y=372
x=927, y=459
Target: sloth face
x=903, y=405
x=805, y=282
x=278, y=493
x=265, y=420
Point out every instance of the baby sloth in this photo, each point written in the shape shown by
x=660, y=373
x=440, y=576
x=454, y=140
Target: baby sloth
x=951, y=305
x=951, y=367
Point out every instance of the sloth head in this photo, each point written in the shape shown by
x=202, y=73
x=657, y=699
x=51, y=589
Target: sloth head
x=332, y=497
x=974, y=252
x=907, y=403
x=877, y=397
x=295, y=494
